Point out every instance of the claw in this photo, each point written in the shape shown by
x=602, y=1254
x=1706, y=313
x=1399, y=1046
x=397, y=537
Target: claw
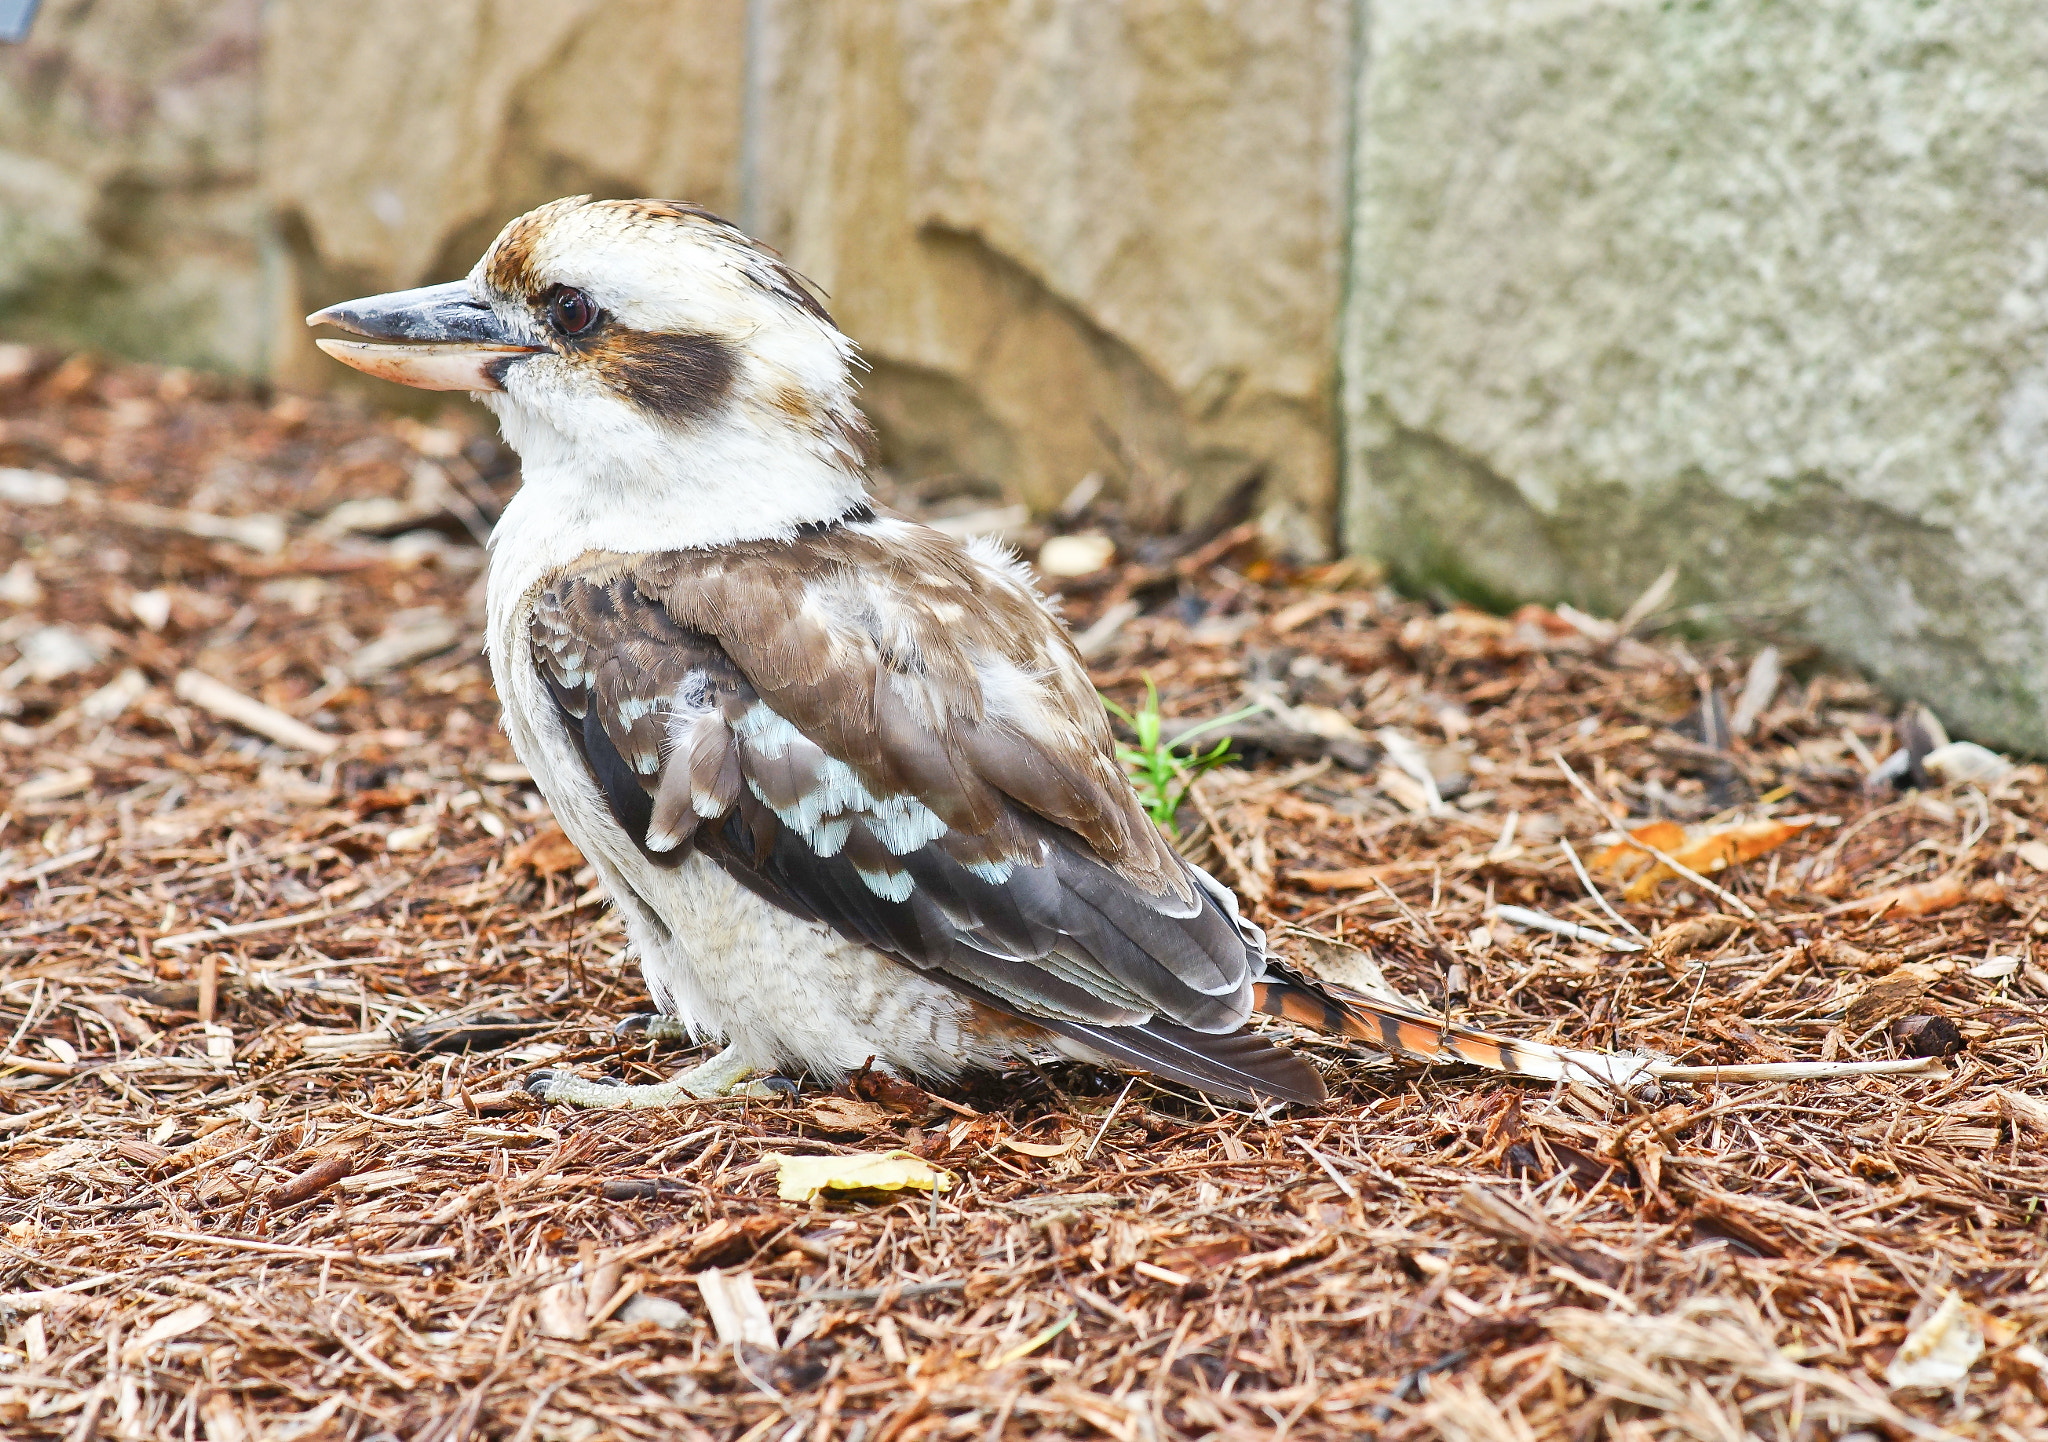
x=652, y=1025
x=780, y=1086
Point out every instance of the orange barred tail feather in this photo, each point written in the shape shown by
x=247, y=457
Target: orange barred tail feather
x=1399, y=1030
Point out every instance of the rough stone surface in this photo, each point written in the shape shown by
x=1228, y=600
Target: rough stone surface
x=1757, y=289
x=1073, y=236
x=130, y=216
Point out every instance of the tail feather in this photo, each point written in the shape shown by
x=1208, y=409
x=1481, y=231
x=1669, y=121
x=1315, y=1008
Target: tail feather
x=1403, y=1031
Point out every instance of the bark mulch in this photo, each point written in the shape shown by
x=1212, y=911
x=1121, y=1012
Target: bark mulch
x=283, y=928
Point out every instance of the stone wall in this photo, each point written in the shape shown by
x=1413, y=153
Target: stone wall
x=1759, y=290
x=400, y=136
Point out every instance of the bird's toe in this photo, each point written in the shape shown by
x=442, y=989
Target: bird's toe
x=549, y=1085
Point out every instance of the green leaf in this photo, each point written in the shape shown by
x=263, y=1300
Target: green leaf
x=1162, y=772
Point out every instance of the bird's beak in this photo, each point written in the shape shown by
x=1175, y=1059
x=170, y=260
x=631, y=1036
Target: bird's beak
x=436, y=338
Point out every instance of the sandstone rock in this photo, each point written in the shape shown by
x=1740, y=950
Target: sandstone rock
x=1757, y=289
x=130, y=217
x=1072, y=236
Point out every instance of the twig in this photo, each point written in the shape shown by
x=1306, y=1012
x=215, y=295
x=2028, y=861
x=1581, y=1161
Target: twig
x=1328, y=1167
x=1103, y=1130
x=1654, y=595
x=247, y=712
x=1593, y=891
x=52, y=866
x=1584, y=789
x=1523, y=916
x=283, y=923
x=1794, y=1070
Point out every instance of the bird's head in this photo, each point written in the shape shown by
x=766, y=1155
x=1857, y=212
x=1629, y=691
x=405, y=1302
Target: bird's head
x=635, y=342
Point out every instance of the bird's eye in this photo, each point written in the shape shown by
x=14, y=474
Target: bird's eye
x=571, y=312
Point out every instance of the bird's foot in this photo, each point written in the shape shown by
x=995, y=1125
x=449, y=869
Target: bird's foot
x=651, y=1026
x=724, y=1075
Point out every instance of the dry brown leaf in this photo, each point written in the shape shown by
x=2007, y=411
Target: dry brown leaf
x=728, y=1240
x=1917, y=899
x=1870, y=963
x=548, y=852
x=1196, y=1258
x=847, y=1114
x=1702, y=933
x=1884, y=999
x=2023, y=1111
x=1042, y=1149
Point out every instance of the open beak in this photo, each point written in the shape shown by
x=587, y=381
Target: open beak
x=436, y=338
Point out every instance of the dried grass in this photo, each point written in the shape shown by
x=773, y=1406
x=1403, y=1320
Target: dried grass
x=266, y=1170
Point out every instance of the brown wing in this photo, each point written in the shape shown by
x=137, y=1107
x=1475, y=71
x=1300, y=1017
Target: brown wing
x=870, y=728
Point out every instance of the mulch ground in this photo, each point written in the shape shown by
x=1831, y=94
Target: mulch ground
x=266, y=1169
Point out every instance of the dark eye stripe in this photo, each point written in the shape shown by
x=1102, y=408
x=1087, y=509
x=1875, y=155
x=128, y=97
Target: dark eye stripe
x=676, y=376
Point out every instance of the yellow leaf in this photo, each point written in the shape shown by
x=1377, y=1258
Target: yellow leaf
x=1732, y=844
x=799, y=1179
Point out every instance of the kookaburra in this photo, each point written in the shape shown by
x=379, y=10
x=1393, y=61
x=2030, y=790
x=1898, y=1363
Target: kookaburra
x=844, y=776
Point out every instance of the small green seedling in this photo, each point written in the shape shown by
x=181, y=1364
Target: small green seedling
x=1162, y=770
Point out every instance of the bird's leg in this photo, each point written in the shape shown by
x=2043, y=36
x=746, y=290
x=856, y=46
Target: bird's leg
x=724, y=1075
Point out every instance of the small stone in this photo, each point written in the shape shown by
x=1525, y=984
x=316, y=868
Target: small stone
x=1080, y=555
x=151, y=608
x=1961, y=762
x=658, y=1310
